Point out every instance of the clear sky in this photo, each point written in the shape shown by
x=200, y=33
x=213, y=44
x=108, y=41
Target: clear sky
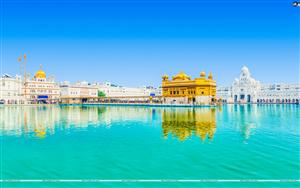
x=135, y=42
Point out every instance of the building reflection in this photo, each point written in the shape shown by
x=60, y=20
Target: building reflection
x=42, y=121
x=182, y=123
x=245, y=118
x=19, y=120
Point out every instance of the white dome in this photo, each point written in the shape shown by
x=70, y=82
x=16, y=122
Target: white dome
x=245, y=70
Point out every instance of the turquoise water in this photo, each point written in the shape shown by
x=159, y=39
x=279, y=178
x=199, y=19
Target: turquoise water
x=118, y=142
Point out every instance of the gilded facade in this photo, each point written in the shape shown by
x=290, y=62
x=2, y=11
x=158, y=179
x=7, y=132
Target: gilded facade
x=184, y=90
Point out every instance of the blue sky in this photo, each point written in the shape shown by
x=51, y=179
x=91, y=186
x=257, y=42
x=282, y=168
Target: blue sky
x=134, y=43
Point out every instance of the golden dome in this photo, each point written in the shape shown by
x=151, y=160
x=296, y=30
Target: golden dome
x=40, y=74
x=202, y=74
x=210, y=76
x=181, y=76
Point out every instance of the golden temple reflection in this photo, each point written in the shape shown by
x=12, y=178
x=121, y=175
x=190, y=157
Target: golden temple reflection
x=42, y=121
x=40, y=131
x=183, y=123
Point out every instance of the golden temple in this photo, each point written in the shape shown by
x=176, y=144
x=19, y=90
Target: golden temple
x=183, y=90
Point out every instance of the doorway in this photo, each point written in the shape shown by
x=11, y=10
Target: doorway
x=248, y=98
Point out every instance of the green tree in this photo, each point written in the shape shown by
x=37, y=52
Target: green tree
x=101, y=94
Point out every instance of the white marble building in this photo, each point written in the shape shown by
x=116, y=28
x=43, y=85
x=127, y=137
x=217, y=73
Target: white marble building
x=112, y=90
x=246, y=89
x=11, y=89
x=41, y=89
x=79, y=92
x=279, y=93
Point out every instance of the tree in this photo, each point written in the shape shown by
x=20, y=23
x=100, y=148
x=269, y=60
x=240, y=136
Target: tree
x=101, y=94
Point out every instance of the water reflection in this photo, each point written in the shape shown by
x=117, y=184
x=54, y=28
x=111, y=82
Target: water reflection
x=183, y=123
x=40, y=121
x=246, y=119
x=18, y=120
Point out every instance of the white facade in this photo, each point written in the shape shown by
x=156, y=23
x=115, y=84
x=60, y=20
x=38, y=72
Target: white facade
x=78, y=92
x=224, y=93
x=79, y=89
x=41, y=89
x=111, y=90
x=279, y=93
x=246, y=89
x=11, y=89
